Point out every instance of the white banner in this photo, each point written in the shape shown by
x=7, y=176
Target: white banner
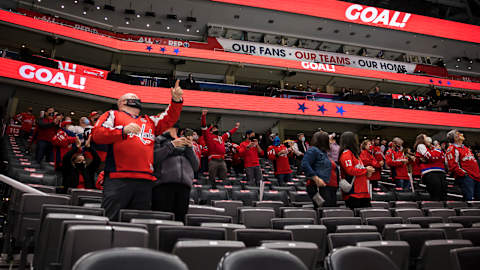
x=290, y=53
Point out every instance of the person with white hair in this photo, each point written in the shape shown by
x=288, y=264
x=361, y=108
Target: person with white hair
x=432, y=166
x=129, y=164
x=397, y=161
x=463, y=166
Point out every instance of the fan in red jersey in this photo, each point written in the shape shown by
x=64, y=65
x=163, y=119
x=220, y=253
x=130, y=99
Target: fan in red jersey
x=279, y=154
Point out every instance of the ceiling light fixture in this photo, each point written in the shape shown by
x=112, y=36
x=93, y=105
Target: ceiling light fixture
x=98, y=8
x=168, y=27
x=148, y=25
x=84, y=13
x=106, y=18
x=62, y=6
x=138, y=15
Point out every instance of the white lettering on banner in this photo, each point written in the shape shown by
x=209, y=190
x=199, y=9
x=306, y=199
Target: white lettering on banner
x=371, y=14
x=318, y=66
x=306, y=55
x=45, y=75
x=66, y=66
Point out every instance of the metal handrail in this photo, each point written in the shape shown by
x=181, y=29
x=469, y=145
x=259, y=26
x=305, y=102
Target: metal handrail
x=20, y=186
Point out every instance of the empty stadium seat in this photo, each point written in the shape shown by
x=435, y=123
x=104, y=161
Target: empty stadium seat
x=406, y=213
x=280, y=223
x=338, y=240
x=424, y=221
x=435, y=254
x=469, y=212
x=449, y=228
x=230, y=208
x=256, y=217
x=466, y=221
x=246, y=196
x=169, y=235
x=383, y=196
x=389, y=230
x=206, y=196
x=152, y=225
x=431, y=204
x=456, y=204
x=472, y=234
x=276, y=205
x=465, y=258
x=128, y=214
x=332, y=222
x=276, y=195
x=417, y=237
x=204, y=254
x=261, y=259
x=405, y=204
x=300, y=213
x=397, y=251
x=198, y=219
x=310, y=233
x=254, y=237
x=77, y=192
x=380, y=222
x=206, y=210
x=356, y=228
x=229, y=227
x=443, y=213
x=380, y=204
x=348, y=258
x=129, y=258
x=337, y=212
x=305, y=251
x=369, y=213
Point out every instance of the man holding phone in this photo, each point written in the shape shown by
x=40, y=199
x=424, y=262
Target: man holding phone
x=249, y=151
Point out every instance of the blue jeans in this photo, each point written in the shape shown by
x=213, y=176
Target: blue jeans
x=403, y=183
x=470, y=188
x=44, y=149
x=284, y=178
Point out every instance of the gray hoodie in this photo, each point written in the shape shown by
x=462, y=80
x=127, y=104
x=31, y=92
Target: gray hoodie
x=173, y=165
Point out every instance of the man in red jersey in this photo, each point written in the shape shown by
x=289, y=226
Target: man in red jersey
x=250, y=150
x=216, y=149
x=279, y=154
x=47, y=128
x=129, y=163
x=27, y=119
x=463, y=165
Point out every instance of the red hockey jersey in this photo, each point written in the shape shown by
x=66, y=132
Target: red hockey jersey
x=249, y=154
x=62, y=143
x=27, y=119
x=131, y=155
x=369, y=160
x=352, y=169
x=282, y=166
x=433, y=160
x=461, y=161
x=394, y=160
x=215, y=143
x=378, y=154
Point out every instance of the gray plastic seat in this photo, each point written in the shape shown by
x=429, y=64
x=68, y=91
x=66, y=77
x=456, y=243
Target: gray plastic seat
x=280, y=223
x=432, y=204
x=305, y=251
x=152, y=225
x=417, y=237
x=275, y=205
x=338, y=212
x=472, y=234
x=47, y=246
x=358, y=258
x=379, y=204
x=406, y=213
x=332, y=222
x=424, y=221
x=261, y=259
x=300, y=213
x=449, y=228
x=356, y=228
x=465, y=258
x=316, y=234
x=204, y=254
x=229, y=227
x=338, y=240
x=443, y=213
x=276, y=195
x=76, y=193
x=405, y=204
x=169, y=235
x=208, y=195
x=456, y=204
x=78, y=242
x=389, y=231
x=256, y=218
x=128, y=214
x=129, y=258
x=254, y=237
x=397, y=251
x=435, y=254
x=466, y=221
x=198, y=219
x=469, y=212
x=380, y=222
x=205, y=210
x=370, y=213
x=246, y=196
x=230, y=208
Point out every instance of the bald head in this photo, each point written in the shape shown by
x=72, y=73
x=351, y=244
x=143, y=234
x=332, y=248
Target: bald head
x=122, y=101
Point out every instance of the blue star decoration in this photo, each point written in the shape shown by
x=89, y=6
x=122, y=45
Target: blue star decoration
x=448, y=83
x=340, y=110
x=431, y=80
x=176, y=51
x=301, y=107
x=162, y=49
x=439, y=81
x=322, y=109
x=149, y=48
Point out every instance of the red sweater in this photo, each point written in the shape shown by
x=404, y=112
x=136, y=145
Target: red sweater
x=62, y=143
x=394, y=160
x=378, y=154
x=282, y=166
x=249, y=154
x=46, y=130
x=131, y=156
x=461, y=161
x=352, y=168
x=369, y=160
x=215, y=144
x=27, y=119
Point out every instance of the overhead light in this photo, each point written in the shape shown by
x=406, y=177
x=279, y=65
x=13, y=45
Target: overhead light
x=106, y=18
x=471, y=61
x=76, y=2
x=469, y=67
x=148, y=25
x=127, y=22
x=42, y=50
x=171, y=16
x=456, y=66
x=149, y=14
x=188, y=29
x=23, y=45
x=168, y=27
x=198, y=31
x=98, y=7
x=191, y=19
x=179, y=21
x=39, y=0
x=84, y=13
x=138, y=15
x=109, y=7
x=62, y=6
x=458, y=59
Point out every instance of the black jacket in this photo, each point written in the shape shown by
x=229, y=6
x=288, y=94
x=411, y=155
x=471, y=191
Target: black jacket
x=173, y=165
x=70, y=173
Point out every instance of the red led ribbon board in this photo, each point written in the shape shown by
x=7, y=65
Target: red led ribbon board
x=378, y=17
x=95, y=86
x=225, y=56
